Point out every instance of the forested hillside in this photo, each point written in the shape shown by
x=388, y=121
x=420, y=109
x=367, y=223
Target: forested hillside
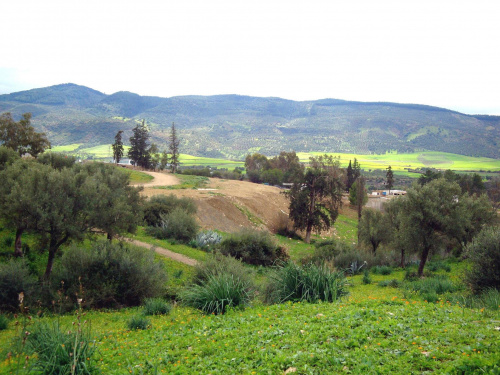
x=232, y=125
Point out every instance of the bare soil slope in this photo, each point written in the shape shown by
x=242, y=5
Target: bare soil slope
x=228, y=205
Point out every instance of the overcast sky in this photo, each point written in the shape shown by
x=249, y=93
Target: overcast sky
x=437, y=52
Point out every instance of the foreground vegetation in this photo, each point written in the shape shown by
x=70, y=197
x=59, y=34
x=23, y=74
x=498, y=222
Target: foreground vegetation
x=375, y=330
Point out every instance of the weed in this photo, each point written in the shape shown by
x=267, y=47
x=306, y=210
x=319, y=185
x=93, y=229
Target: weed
x=4, y=322
x=156, y=306
x=138, y=322
x=382, y=270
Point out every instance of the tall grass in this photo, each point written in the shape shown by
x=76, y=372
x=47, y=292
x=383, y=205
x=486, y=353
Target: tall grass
x=219, y=292
x=311, y=283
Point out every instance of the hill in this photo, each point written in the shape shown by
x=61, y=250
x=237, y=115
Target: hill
x=233, y=125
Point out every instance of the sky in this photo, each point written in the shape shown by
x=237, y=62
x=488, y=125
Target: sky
x=436, y=52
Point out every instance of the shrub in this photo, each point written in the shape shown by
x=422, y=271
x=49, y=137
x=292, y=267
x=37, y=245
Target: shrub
x=4, y=322
x=432, y=285
x=382, y=270
x=14, y=279
x=437, y=266
x=208, y=239
x=138, y=322
x=156, y=306
x=366, y=277
x=159, y=205
x=490, y=298
x=253, y=247
x=217, y=264
x=392, y=283
x=484, y=254
x=178, y=225
x=62, y=351
x=219, y=292
x=311, y=283
x=56, y=160
x=110, y=274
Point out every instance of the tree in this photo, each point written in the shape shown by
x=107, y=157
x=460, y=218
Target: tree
x=392, y=215
x=373, y=228
x=428, y=215
x=289, y=164
x=349, y=177
x=164, y=160
x=389, y=179
x=316, y=199
x=21, y=136
x=118, y=147
x=174, y=149
x=139, y=150
x=154, y=153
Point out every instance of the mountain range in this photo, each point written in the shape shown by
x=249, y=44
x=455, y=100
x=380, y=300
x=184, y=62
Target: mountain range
x=231, y=126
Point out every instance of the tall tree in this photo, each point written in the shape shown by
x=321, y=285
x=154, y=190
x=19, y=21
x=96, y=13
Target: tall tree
x=389, y=179
x=118, y=147
x=174, y=149
x=139, y=148
x=21, y=136
x=316, y=199
x=349, y=177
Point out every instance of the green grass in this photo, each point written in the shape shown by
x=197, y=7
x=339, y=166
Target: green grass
x=137, y=177
x=374, y=330
x=66, y=148
x=187, y=182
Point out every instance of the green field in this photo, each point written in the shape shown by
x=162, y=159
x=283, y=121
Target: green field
x=400, y=163
x=425, y=159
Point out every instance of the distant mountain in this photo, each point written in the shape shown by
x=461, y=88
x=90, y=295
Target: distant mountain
x=233, y=125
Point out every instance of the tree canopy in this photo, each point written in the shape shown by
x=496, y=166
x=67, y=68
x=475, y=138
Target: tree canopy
x=20, y=136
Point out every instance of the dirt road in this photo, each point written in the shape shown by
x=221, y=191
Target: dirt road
x=159, y=179
x=165, y=252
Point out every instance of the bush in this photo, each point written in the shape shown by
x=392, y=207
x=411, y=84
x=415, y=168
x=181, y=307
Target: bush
x=253, y=247
x=4, y=322
x=207, y=240
x=219, y=292
x=311, y=283
x=110, y=274
x=437, y=266
x=159, y=205
x=217, y=264
x=484, y=254
x=392, y=283
x=56, y=160
x=382, y=270
x=178, y=225
x=138, y=322
x=62, y=351
x=432, y=285
x=14, y=279
x=156, y=306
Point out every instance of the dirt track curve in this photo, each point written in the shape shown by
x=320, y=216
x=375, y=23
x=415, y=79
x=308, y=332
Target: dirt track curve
x=162, y=179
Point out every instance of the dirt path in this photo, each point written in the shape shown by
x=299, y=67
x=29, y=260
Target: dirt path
x=165, y=252
x=159, y=179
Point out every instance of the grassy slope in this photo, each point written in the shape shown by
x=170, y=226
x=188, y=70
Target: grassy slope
x=375, y=330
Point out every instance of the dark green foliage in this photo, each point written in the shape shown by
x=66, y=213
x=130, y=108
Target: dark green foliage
x=178, y=225
x=381, y=270
x=253, y=247
x=111, y=275
x=57, y=160
x=62, y=351
x=159, y=205
x=389, y=183
x=484, y=255
x=316, y=199
x=139, y=146
x=366, y=277
x=310, y=283
x=219, y=292
x=327, y=250
x=21, y=136
x=392, y=283
x=7, y=157
x=173, y=148
x=156, y=306
x=15, y=278
x=273, y=176
x=4, y=322
x=437, y=266
x=138, y=322
x=118, y=147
